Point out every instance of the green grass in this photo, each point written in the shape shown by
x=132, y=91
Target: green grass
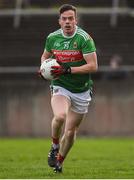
x=89, y=158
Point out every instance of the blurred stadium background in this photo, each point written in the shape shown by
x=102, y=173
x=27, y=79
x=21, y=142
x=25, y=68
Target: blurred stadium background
x=25, y=99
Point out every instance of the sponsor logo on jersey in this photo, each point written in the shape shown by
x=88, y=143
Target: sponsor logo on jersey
x=68, y=55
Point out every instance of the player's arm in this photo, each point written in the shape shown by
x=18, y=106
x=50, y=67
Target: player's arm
x=91, y=66
x=89, y=54
x=45, y=55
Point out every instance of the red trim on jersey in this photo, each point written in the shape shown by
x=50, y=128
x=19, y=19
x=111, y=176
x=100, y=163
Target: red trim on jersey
x=68, y=55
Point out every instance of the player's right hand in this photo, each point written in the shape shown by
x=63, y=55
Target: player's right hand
x=62, y=69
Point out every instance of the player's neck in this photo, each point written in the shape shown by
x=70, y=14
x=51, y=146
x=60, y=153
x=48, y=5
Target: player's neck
x=71, y=34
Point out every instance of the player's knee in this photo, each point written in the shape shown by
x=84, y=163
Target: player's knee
x=60, y=117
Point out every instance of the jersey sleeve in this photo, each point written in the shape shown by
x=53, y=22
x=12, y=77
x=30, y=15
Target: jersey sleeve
x=88, y=46
x=48, y=44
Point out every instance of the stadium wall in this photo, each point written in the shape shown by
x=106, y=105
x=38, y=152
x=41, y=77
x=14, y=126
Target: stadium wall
x=25, y=109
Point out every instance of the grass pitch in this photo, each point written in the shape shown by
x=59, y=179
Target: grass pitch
x=89, y=158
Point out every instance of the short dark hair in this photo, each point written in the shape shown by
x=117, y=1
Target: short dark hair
x=67, y=7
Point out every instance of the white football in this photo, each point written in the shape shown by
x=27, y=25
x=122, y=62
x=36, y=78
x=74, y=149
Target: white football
x=45, y=68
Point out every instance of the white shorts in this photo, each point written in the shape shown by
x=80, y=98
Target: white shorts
x=79, y=101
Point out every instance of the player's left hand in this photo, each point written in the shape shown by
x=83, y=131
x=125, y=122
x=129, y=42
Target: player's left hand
x=62, y=69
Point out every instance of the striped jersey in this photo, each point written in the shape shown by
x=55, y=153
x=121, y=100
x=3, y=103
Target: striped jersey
x=70, y=50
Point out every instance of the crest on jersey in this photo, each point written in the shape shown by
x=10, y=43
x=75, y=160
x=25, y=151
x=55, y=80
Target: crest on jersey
x=75, y=45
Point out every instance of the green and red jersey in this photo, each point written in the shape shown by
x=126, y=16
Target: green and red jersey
x=70, y=50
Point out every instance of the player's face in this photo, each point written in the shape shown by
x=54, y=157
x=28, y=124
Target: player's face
x=68, y=22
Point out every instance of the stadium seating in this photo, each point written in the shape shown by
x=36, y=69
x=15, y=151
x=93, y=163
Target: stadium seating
x=23, y=46
x=109, y=41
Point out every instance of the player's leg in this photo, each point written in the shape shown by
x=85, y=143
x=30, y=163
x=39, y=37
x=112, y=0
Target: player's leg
x=79, y=107
x=73, y=121
x=60, y=106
